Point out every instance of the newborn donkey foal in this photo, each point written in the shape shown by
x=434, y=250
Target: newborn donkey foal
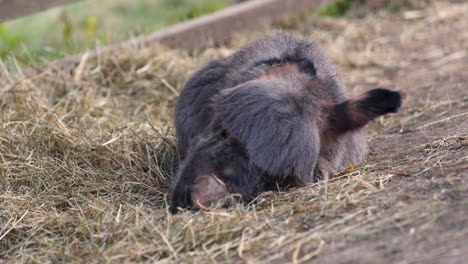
x=272, y=114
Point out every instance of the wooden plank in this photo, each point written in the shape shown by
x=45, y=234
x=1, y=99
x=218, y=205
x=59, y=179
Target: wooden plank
x=215, y=28
x=220, y=26
x=11, y=9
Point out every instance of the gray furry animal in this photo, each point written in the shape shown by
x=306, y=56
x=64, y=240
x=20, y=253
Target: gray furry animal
x=272, y=114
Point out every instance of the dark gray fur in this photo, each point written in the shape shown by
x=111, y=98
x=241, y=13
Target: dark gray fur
x=253, y=130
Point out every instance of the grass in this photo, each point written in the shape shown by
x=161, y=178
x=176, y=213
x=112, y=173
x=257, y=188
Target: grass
x=361, y=7
x=72, y=29
x=337, y=9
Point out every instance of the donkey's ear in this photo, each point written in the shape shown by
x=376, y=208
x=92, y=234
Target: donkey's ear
x=356, y=112
x=274, y=122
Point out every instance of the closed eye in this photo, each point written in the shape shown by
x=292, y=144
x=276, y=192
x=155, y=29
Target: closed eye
x=305, y=65
x=269, y=62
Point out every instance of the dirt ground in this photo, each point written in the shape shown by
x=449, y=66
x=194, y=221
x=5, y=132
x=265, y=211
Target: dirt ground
x=82, y=154
x=424, y=209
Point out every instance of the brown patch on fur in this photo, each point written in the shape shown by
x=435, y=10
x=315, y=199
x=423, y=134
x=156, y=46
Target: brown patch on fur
x=281, y=70
x=356, y=112
x=342, y=118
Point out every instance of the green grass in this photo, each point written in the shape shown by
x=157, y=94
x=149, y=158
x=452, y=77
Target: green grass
x=337, y=9
x=68, y=30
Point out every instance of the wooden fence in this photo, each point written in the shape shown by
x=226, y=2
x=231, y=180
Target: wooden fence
x=11, y=9
x=220, y=26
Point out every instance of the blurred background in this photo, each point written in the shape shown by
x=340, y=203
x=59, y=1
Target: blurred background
x=74, y=28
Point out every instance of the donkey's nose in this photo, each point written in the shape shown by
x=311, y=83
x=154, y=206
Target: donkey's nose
x=208, y=190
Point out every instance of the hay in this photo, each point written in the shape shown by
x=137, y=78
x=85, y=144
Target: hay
x=84, y=156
